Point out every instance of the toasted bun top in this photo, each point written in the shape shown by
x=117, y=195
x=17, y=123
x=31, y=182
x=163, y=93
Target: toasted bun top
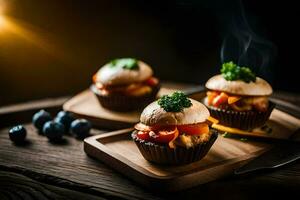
x=153, y=114
x=258, y=88
x=119, y=76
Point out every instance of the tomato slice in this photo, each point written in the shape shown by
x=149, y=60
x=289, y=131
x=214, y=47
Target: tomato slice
x=171, y=143
x=143, y=135
x=210, y=96
x=95, y=78
x=164, y=136
x=152, y=81
x=194, y=129
x=222, y=98
x=142, y=127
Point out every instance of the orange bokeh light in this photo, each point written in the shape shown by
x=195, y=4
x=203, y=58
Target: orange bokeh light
x=2, y=22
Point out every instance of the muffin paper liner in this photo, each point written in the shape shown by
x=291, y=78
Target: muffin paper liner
x=246, y=120
x=122, y=103
x=163, y=154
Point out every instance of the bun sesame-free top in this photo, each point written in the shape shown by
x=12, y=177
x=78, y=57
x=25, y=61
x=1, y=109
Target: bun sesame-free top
x=125, y=71
x=239, y=99
x=259, y=87
x=184, y=118
x=174, y=130
x=238, y=88
x=125, y=84
x=154, y=114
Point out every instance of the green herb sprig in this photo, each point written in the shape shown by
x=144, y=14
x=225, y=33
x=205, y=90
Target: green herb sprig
x=175, y=102
x=232, y=71
x=125, y=63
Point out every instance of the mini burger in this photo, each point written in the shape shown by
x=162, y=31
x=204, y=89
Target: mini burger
x=174, y=130
x=125, y=84
x=239, y=99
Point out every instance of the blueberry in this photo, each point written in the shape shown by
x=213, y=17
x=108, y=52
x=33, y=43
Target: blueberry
x=80, y=127
x=40, y=118
x=17, y=134
x=65, y=118
x=53, y=130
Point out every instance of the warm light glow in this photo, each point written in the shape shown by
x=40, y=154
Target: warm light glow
x=2, y=6
x=2, y=22
x=2, y=18
x=10, y=27
x=15, y=28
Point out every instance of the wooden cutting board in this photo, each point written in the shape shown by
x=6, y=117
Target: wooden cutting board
x=117, y=150
x=86, y=105
x=280, y=125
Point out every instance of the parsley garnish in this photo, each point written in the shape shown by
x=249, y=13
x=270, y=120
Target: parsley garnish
x=175, y=102
x=232, y=71
x=125, y=63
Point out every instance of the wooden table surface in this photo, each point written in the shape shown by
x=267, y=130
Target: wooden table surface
x=42, y=170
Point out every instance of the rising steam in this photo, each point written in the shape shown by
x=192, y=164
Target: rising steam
x=245, y=47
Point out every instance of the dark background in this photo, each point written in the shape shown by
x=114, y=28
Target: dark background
x=55, y=46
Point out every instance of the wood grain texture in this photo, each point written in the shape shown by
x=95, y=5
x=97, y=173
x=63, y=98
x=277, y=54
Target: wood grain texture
x=118, y=150
x=25, y=111
x=63, y=166
x=67, y=161
x=281, y=183
x=18, y=186
x=86, y=105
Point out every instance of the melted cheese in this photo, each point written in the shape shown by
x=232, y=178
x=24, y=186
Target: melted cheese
x=189, y=141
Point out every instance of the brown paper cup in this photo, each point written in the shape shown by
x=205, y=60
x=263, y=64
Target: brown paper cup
x=246, y=120
x=163, y=154
x=122, y=103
